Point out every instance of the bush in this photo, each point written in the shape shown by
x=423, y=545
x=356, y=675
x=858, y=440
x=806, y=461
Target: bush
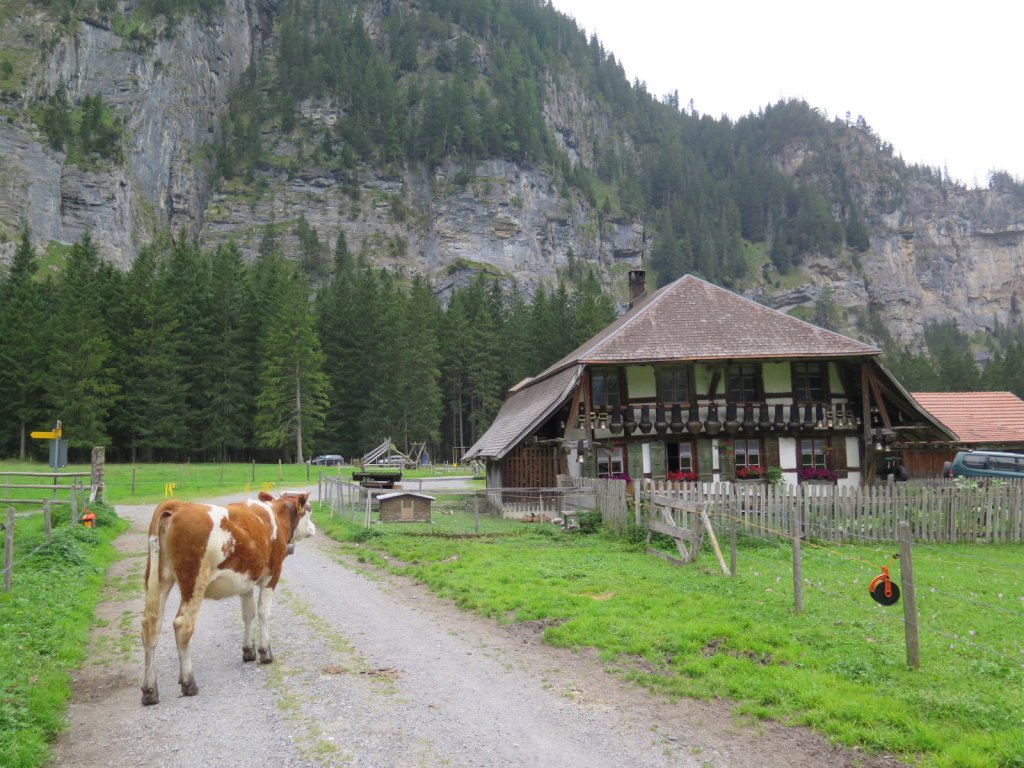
x=590, y=522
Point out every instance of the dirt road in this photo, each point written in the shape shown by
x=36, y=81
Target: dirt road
x=373, y=670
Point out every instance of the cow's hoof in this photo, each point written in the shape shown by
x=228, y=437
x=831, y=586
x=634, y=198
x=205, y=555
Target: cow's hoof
x=266, y=657
x=190, y=688
x=150, y=696
x=248, y=654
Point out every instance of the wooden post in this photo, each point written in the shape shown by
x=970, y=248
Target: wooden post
x=98, y=489
x=254, y=472
x=73, y=506
x=798, y=589
x=133, y=481
x=8, y=549
x=909, y=596
x=279, y=477
x=732, y=548
x=47, y=523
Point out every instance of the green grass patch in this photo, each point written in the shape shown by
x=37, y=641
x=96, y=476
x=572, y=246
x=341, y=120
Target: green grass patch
x=44, y=628
x=839, y=667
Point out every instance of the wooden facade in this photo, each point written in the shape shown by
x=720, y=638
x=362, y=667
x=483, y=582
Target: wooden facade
x=405, y=507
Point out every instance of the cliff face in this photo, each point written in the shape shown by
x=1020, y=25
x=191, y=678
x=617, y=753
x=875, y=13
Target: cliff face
x=937, y=252
x=169, y=93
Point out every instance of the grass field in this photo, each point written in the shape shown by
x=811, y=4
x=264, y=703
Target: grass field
x=839, y=667
x=44, y=627
x=147, y=483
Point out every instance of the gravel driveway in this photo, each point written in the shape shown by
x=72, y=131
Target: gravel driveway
x=371, y=669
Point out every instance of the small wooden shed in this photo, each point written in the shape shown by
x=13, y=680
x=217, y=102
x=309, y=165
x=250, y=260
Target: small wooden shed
x=405, y=507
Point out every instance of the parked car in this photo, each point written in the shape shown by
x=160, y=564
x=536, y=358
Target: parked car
x=328, y=460
x=987, y=464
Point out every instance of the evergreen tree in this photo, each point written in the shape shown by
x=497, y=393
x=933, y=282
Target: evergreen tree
x=79, y=387
x=292, y=399
x=148, y=363
x=23, y=351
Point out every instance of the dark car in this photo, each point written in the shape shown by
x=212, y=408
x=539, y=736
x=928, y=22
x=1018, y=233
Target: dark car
x=328, y=460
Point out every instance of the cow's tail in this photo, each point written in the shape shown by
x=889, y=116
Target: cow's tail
x=157, y=537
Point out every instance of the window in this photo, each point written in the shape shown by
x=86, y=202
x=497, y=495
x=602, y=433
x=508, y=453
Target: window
x=679, y=457
x=747, y=453
x=609, y=462
x=813, y=454
x=674, y=385
x=604, y=387
x=741, y=384
x=809, y=382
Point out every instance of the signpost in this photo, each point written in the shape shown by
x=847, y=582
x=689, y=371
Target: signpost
x=59, y=446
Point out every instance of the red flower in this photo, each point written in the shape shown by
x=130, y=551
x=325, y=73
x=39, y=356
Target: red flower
x=749, y=473
x=682, y=477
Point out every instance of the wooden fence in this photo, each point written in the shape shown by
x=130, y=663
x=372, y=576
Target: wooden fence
x=32, y=490
x=937, y=513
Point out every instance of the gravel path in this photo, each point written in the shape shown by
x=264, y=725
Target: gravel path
x=373, y=670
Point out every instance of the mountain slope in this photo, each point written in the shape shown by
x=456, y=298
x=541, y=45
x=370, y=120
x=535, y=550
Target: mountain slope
x=450, y=137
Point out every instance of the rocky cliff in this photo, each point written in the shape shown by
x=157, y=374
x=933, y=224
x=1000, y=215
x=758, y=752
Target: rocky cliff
x=937, y=251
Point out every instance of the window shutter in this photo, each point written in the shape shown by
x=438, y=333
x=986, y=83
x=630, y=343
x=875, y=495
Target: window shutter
x=838, y=457
x=658, y=460
x=705, y=462
x=727, y=463
x=772, y=457
x=635, y=461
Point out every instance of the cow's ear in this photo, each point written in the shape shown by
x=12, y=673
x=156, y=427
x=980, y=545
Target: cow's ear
x=303, y=498
x=264, y=496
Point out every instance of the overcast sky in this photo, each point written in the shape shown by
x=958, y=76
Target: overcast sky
x=939, y=81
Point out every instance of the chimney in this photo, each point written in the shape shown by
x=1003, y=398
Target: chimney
x=637, y=286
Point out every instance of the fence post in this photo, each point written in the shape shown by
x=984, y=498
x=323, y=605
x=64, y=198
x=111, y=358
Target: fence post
x=798, y=593
x=133, y=481
x=74, y=503
x=909, y=596
x=8, y=549
x=47, y=523
x=96, y=473
x=732, y=548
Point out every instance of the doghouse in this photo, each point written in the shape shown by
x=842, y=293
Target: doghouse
x=405, y=507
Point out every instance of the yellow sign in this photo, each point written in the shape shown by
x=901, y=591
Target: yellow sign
x=45, y=435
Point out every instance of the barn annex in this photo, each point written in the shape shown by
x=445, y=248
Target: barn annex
x=695, y=382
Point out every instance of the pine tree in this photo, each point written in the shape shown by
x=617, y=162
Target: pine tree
x=148, y=363
x=292, y=399
x=23, y=351
x=79, y=387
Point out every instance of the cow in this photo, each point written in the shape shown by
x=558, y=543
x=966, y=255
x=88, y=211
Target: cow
x=213, y=551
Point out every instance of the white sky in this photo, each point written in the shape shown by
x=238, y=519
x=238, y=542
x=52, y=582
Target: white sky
x=940, y=81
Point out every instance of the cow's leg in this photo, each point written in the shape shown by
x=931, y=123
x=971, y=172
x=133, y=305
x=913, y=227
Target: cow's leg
x=248, y=614
x=185, y=627
x=266, y=600
x=152, y=620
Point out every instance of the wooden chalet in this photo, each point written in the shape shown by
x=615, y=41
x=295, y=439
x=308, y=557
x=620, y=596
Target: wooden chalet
x=695, y=382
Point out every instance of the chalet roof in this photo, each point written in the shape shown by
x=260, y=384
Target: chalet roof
x=530, y=404
x=978, y=418
x=691, y=319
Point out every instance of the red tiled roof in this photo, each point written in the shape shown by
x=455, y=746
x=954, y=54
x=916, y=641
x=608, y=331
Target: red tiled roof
x=989, y=418
x=691, y=319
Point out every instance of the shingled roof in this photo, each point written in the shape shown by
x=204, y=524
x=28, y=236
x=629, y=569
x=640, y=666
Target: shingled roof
x=687, y=320
x=530, y=404
x=691, y=319
x=983, y=419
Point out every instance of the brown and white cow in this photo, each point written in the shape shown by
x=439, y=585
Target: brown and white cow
x=217, y=551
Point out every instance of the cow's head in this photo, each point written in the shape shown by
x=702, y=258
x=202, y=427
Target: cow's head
x=299, y=513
